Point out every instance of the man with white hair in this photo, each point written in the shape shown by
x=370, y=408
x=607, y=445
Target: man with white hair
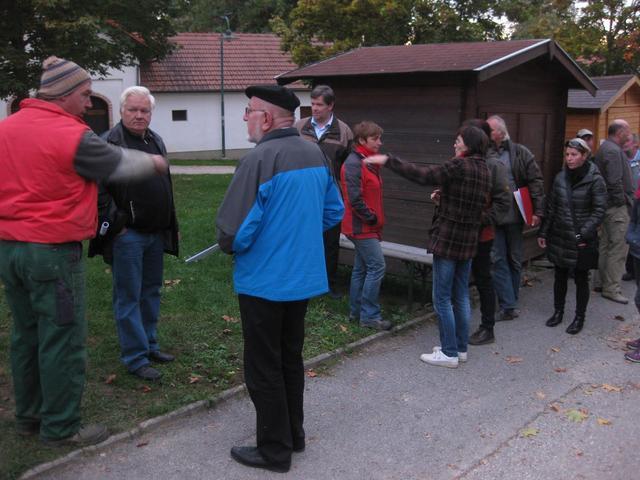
x=50, y=162
x=142, y=220
x=522, y=171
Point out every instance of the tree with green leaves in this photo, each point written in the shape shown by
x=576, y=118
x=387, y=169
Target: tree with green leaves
x=314, y=30
x=248, y=16
x=602, y=35
x=95, y=35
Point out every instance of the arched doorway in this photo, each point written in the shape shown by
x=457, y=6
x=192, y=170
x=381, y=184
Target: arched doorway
x=98, y=116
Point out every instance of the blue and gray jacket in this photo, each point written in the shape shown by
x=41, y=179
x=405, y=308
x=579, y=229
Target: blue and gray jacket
x=280, y=200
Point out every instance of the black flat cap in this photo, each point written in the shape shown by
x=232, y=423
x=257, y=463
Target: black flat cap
x=276, y=95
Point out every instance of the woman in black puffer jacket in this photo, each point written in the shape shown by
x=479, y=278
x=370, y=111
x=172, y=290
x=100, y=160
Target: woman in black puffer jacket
x=575, y=208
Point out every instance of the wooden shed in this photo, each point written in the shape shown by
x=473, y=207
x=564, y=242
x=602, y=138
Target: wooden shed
x=420, y=94
x=618, y=96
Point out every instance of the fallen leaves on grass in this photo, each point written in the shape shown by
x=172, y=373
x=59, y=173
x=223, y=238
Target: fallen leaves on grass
x=513, y=359
x=229, y=319
x=194, y=378
x=343, y=329
x=226, y=331
x=577, y=416
x=311, y=373
x=604, y=421
x=529, y=432
x=110, y=379
x=171, y=283
x=145, y=388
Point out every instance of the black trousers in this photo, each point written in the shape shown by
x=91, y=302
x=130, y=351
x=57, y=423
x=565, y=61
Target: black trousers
x=481, y=269
x=581, y=279
x=274, y=372
x=331, y=240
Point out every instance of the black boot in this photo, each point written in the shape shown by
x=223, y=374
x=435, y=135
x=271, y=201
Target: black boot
x=555, y=319
x=576, y=325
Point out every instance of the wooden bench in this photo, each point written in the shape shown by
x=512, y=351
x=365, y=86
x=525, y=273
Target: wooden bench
x=417, y=260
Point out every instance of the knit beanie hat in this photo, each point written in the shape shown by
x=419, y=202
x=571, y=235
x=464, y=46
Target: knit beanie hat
x=60, y=77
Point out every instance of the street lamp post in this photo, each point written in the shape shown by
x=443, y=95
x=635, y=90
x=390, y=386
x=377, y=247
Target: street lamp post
x=224, y=35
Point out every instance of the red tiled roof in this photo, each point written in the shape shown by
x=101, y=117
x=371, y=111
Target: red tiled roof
x=433, y=57
x=608, y=88
x=249, y=59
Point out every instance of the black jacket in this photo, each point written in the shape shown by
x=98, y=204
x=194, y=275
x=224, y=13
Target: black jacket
x=589, y=198
x=113, y=200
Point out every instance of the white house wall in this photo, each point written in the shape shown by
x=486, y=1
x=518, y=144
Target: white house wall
x=200, y=135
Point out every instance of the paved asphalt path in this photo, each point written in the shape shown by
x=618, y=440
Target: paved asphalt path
x=382, y=414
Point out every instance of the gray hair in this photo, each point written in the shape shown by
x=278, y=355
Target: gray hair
x=616, y=126
x=137, y=91
x=502, y=126
x=324, y=91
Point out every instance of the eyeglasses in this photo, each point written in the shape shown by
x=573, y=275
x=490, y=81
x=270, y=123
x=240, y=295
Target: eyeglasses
x=249, y=110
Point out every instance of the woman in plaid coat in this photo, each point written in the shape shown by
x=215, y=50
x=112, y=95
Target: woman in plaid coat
x=465, y=185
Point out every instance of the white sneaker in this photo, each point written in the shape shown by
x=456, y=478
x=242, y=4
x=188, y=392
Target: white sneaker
x=439, y=359
x=462, y=356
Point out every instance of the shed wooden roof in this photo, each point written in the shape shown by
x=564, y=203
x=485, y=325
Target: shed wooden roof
x=249, y=59
x=609, y=89
x=487, y=59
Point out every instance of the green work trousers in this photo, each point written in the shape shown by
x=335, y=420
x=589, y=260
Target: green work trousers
x=613, y=249
x=45, y=288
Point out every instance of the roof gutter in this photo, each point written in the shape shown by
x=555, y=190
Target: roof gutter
x=511, y=55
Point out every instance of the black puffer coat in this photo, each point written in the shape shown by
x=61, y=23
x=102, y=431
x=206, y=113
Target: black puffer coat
x=589, y=195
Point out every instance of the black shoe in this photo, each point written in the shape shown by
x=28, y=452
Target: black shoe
x=508, y=314
x=334, y=295
x=627, y=277
x=576, y=325
x=146, y=372
x=251, y=457
x=555, y=319
x=482, y=337
x=298, y=446
x=159, y=357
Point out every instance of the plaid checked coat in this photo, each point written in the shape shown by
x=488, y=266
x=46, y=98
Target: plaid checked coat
x=465, y=185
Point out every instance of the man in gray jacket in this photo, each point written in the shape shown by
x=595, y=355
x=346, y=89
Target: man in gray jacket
x=614, y=167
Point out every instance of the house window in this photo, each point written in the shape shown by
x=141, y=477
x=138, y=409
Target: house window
x=179, y=115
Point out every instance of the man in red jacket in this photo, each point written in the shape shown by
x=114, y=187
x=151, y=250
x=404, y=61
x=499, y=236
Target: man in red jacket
x=50, y=161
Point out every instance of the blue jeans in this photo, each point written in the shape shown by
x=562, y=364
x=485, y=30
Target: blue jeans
x=451, y=303
x=137, y=278
x=507, y=264
x=368, y=270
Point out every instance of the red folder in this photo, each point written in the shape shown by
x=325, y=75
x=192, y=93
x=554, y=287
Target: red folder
x=523, y=199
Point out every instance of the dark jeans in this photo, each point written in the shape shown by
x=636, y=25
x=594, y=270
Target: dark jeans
x=481, y=269
x=331, y=240
x=45, y=288
x=581, y=279
x=274, y=372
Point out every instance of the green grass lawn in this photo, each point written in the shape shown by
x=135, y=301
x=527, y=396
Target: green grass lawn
x=199, y=324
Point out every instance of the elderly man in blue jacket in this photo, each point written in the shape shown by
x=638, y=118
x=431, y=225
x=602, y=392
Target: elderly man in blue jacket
x=281, y=199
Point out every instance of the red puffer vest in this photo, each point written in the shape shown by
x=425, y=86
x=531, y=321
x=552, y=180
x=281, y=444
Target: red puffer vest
x=42, y=198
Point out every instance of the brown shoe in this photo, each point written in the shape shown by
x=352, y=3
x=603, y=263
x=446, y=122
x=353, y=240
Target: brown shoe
x=89, y=435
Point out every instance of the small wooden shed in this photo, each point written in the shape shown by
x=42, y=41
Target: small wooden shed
x=420, y=94
x=618, y=96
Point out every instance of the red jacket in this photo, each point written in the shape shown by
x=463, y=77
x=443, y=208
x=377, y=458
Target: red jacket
x=42, y=198
x=361, y=186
